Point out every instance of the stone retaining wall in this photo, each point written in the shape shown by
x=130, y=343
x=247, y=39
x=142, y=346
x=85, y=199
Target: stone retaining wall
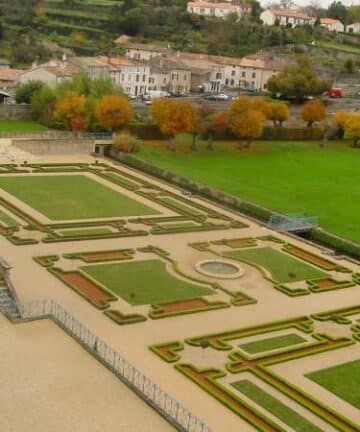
x=15, y=112
x=55, y=146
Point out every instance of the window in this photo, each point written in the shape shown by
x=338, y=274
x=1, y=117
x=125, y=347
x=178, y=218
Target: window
x=137, y=78
x=243, y=74
x=232, y=82
x=218, y=75
x=253, y=75
x=144, y=78
x=232, y=73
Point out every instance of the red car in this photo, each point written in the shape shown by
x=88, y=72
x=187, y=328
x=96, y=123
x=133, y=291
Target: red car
x=335, y=92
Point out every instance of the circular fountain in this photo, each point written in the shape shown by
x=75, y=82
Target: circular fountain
x=219, y=268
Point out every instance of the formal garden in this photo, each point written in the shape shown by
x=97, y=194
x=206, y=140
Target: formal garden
x=250, y=315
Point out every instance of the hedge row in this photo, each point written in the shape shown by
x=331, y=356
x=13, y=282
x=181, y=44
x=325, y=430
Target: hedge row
x=337, y=243
x=151, y=131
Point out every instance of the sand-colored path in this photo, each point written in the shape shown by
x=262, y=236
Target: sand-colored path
x=49, y=383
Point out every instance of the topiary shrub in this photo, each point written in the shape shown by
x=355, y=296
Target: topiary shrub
x=126, y=143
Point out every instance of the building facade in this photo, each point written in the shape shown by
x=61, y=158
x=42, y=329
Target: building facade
x=216, y=9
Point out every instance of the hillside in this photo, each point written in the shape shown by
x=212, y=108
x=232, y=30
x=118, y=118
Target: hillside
x=39, y=29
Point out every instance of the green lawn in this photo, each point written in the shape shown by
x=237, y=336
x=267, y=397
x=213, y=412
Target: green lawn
x=67, y=197
x=20, y=126
x=342, y=380
x=339, y=47
x=282, y=268
x=144, y=282
x=272, y=343
x=85, y=232
x=284, y=176
x=275, y=407
x=7, y=220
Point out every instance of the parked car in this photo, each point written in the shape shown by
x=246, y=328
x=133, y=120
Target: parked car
x=335, y=92
x=217, y=97
x=155, y=94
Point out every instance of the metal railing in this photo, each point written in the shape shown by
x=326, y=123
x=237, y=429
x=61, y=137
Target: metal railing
x=52, y=134
x=292, y=222
x=171, y=409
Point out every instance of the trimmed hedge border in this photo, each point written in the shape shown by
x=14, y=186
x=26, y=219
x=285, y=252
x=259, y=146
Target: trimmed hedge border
x=123, y=319
x=158, y=311
x=99, y=305
x=208, y=379
x=127, y=254
x=168, y=351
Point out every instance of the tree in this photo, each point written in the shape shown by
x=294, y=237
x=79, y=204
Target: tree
x=248, y=125
x=279, y=112
x=113, y=112
x=352, y=129
x=43, y=105
x=217, y=125
x=173, y=118
x=70, y=107
x=158, y=109
x=313, y=111
x=340, y=119
x=245, y=103
x=338, y=11
x=196, y=126
x=25, y=92
x=298, y=81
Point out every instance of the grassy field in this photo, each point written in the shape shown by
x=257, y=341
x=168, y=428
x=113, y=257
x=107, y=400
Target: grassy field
x=275, y=407
x=342, y=380
x=339, y=47
x=144, y=282
x=283, y=176
x=282, y=268
x=70, y=197
x=20, y=126
x=85, y=232
x=272, y=343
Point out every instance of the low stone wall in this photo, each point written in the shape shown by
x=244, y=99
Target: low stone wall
x=15, y=112
x=55, y=146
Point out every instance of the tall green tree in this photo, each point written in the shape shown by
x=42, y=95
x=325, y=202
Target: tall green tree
x=298, y=81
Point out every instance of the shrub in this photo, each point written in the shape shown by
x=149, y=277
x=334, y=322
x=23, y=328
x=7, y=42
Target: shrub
x=126, y=143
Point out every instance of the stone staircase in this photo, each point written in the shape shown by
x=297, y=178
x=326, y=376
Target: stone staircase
x=7, y=305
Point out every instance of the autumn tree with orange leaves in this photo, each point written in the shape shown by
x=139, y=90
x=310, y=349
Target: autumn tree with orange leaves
x=216, y=126
x=70, y=111
x=278, y=113
x=113, y=112
x=313, y=111
x=247, y=125
x=173, y=118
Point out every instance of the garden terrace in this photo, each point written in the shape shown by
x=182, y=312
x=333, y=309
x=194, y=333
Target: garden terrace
x=61, y=203
x=256, y=384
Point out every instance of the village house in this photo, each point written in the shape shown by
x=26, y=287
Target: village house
x=332, y=24
x=353, y=28
x=52, y=73
x=285, y=17
x=144, y=52
x=217, y=9
x=9, y=77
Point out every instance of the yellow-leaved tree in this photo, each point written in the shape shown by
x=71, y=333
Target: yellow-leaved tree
x=247, y=125
x=173, y=118
x=113, y=112
x=352, y=129
x=70, y=110
x=313, y=111
x=279, y=112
